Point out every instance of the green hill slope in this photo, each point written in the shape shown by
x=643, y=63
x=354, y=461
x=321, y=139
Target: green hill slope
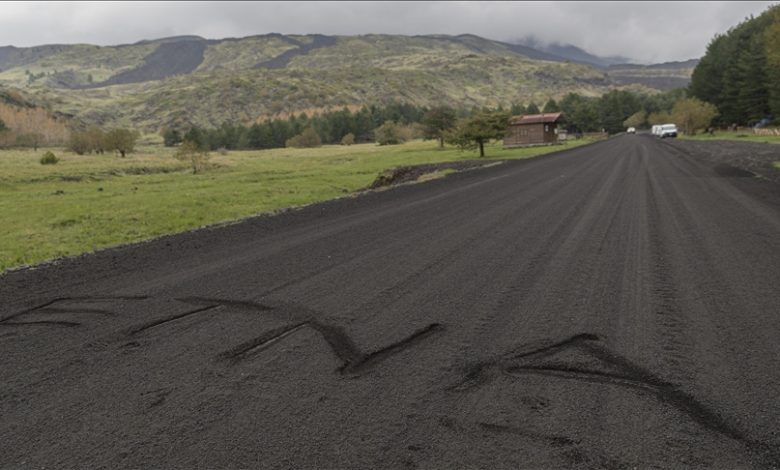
x=191, y=80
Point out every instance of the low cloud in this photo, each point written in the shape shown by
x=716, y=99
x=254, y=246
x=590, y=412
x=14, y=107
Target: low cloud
x=644, y=31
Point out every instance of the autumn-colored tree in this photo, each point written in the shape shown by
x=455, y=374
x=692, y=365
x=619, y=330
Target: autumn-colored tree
x=692, y=114
x=661, y=117
x=638, y=119
x=26, y=120
x=348, y=139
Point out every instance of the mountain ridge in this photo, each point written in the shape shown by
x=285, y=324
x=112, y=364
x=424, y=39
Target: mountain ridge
x=192, y=80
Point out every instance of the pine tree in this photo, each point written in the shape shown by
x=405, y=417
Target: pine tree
x=551, y=106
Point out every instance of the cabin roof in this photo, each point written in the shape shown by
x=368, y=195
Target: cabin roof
x=536, y=118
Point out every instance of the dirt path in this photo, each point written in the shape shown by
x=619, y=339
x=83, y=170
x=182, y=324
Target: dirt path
x=608, y=306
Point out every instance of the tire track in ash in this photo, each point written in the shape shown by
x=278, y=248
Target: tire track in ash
x=64, y=306
x=163, y=321
x=613, y=370
x=354, y=360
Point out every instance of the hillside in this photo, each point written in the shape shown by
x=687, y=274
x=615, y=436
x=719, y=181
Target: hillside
x=664, y=76
x=191, y=80
x=570, y=52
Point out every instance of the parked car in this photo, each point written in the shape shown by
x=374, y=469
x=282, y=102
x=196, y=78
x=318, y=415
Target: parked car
x=762, y=123
x=631, y=130
x=667, y=130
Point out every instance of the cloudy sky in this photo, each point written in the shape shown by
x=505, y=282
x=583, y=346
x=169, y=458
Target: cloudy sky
x=644, y=31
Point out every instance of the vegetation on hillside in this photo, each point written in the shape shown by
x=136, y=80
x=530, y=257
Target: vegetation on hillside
x=228, y=86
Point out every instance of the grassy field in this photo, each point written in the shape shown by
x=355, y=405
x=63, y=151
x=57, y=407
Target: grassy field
x=89, y=202
x=744, y=136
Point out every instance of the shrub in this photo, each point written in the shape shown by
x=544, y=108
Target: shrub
x=348, y=139
x=49, y=158
x=389, y=133
x=171, y=137
x=79, y=143
x=191, y=152
x=121, y=140
x=306, y=139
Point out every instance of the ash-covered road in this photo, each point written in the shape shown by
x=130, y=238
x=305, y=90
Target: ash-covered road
x=609, y=306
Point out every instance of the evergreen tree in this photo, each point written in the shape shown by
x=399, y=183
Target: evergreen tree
x=551, y=106
x=740, y=72
x=171, y=137
x=517, y=109
x=615, y=107
x=437, y=122
x=479, y=130
x=772, y=52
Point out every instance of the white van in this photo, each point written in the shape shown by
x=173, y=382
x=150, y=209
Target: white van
x=654, y=131
x=667, y=130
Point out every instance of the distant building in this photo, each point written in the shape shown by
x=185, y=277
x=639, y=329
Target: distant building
x=533, y=129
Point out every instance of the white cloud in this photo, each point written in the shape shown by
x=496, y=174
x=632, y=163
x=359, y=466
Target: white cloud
x=646, y=31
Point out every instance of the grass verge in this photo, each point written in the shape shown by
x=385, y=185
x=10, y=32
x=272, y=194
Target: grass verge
x=85, y=203
x=742, y=136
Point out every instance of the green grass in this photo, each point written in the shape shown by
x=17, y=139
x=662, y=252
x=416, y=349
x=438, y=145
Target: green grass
x=85, y=203
x=777, y=165
x=743, y=136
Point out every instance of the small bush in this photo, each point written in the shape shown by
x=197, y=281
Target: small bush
x=307, y=139
x=348, y=139
x=389, y=133
x=194, y=154
x=49, y=158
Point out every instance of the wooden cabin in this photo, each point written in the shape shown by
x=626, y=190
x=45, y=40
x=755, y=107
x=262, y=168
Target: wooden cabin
x=533, y=129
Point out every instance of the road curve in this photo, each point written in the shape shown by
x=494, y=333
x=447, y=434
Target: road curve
x=614, y=305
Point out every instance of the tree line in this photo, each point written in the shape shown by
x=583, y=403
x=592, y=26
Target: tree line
x=99, y=141
x=330, y=127
x=611, y=112
x=398, y=122
x=740, y=72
